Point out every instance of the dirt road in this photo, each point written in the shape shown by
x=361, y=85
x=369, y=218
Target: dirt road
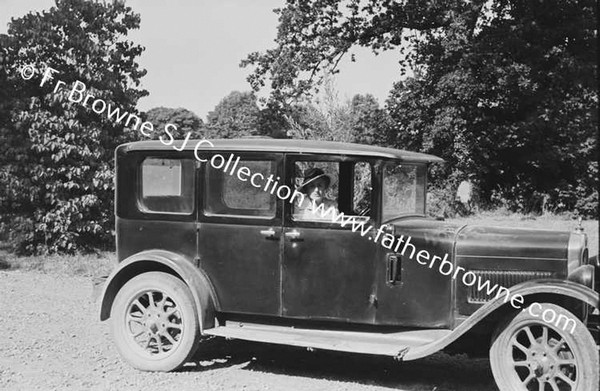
x=51, y=339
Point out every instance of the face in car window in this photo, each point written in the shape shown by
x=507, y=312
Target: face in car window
x=316, y=185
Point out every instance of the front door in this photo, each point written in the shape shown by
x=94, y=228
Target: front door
x=328, y=269
x=239, y=231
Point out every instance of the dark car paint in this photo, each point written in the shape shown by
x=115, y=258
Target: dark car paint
x=243, y=272
x=422, y=297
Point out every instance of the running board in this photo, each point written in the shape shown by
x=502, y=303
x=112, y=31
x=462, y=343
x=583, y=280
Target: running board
x=395, y=344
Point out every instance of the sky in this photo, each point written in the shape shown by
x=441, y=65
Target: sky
x=194, y=47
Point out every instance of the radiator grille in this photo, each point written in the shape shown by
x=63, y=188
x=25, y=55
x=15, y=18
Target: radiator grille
x=502, y=278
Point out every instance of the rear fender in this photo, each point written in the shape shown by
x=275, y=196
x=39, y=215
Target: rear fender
x=553, y=291
x=168, y=262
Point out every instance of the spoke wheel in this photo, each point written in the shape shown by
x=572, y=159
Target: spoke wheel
x=530, y=354
x=154, y=322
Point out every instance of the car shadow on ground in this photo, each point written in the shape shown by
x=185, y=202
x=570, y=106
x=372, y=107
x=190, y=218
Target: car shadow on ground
x=439, y=372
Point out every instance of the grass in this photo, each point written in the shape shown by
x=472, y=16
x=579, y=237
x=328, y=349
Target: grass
x=85, y=265
x=101, y=263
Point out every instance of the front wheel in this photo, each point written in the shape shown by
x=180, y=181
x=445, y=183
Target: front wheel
x=532, y=354
x=154, y=322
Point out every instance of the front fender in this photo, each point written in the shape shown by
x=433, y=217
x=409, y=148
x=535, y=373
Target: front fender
x=556, y=288
x=160, y=260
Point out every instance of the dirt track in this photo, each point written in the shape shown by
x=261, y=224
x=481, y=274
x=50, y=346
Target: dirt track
x=52, y=339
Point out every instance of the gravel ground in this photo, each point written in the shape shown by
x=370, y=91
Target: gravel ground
x=52, y=340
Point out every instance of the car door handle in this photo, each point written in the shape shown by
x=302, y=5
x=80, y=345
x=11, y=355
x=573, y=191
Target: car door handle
x=268, y=234
x=294, y=236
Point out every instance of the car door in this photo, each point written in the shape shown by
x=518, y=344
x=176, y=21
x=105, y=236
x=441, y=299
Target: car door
x=239, y=231
x=328, y=269
x=155, y=195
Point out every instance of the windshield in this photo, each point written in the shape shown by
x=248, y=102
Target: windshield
x=403, y=190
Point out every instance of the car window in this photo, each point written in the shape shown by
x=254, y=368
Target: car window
x=331, y=188
x=167, y=185
x=403, y=190
x=229, y=196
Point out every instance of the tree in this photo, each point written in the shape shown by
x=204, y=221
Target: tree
x=236, y=115
x=56, y=156
x=358, y=120
x=504, y=90
x=511, y=104
x=184, y=120
x=314, y=35
x=370, y=124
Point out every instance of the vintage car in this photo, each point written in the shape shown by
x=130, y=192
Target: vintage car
x=214, y=238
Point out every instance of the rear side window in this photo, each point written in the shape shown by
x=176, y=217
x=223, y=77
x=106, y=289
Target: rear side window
x=226, y=195
x=167, y=185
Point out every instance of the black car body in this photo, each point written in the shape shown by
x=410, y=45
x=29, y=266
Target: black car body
x=252, y=270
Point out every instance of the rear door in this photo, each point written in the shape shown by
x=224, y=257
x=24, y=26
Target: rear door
x=239, y=231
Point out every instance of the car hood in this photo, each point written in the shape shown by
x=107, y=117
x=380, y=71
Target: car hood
x=488, y=241
x=475, y=240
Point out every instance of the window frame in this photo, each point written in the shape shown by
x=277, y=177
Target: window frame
x=140, y=205
x=203, y=216
x=290, y=165
x=381, y=190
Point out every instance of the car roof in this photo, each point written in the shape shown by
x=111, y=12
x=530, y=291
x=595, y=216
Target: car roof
x=286, y=145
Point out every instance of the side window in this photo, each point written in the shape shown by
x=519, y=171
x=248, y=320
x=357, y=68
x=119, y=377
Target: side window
x=330, y=188
x=228, y=195
x=167, y=185
x=403, y=190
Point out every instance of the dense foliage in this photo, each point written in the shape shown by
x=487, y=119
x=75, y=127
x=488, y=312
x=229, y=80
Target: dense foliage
x=183, y=120
x=504, y=90
x=56, y=157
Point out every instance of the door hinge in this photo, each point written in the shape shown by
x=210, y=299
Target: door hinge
x=198, y=227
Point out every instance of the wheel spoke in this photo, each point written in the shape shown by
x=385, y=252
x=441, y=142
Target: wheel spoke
x=159, y=343
x=557, y=347
x=140, y=333
x=565, y=378
x=171, y=325
x=566, y=362
x=150, y=338
x=161, y=303
x=528, y=379
x=541, y=385
x=171, y=311
x=530, y=336
x=554, y=385
x=170, y=338
x=519, y=346
x=545, y=335
x=136, y=319
x=521, y=363
x=139, y=305
x=151, y=299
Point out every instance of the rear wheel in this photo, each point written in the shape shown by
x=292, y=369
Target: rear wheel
x=154, y=322
x=530, y=354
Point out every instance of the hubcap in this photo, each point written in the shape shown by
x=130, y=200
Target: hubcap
x=543, y=360
x=154, y=323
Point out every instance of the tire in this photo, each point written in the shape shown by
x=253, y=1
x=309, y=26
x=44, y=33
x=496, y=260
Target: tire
x=154, y=322
x=528, y=353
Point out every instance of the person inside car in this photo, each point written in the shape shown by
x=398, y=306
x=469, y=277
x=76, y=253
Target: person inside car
x=315, y=185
